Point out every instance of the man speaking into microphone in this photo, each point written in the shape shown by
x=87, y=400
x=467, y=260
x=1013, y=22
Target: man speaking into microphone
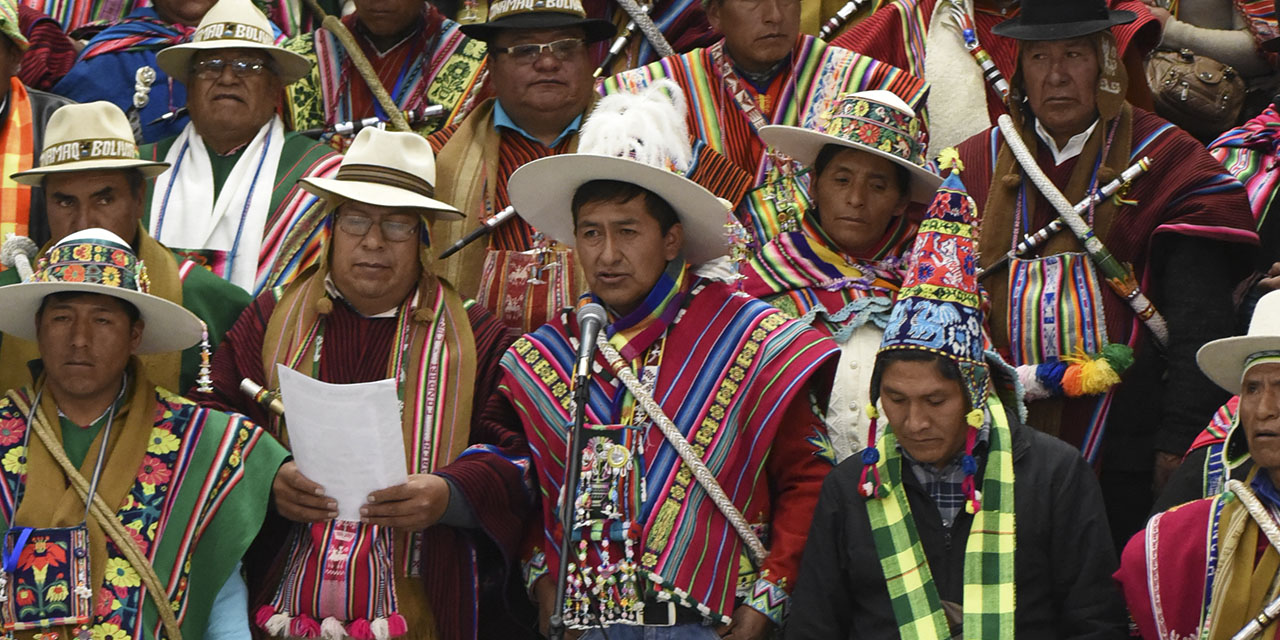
x=692, y=386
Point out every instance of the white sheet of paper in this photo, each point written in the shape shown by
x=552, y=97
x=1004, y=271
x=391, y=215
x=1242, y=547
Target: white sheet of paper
x=345, y=437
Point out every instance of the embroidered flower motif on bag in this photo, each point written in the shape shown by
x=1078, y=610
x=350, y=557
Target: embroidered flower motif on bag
x=121, y=574
x=57, y=592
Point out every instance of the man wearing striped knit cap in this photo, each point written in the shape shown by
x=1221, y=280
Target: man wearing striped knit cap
x=962, y=509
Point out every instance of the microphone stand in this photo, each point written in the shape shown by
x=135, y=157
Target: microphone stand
x=581, y=394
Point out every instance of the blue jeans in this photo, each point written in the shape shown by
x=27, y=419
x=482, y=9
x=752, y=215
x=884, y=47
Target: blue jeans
x=629, y=632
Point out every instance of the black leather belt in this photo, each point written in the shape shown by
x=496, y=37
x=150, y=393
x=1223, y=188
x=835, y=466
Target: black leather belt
x=667, y=614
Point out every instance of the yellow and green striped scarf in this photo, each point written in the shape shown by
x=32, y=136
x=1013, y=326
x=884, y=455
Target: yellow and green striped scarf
x=988, y=564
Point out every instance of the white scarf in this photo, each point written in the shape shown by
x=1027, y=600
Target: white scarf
x=957, y=101
x=184, y=214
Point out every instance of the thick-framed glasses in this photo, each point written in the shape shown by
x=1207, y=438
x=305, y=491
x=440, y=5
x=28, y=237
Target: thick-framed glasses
x=392, y=230
x=527, y=53
x=211, y=68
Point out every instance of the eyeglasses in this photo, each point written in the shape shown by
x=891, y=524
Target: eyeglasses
x=528, y=53
x=392, y=230
x=211, y=68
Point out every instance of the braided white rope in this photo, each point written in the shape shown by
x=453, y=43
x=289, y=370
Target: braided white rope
x=1267, y=523
x=647, y=27
x=1137, y=300
x=755, y=548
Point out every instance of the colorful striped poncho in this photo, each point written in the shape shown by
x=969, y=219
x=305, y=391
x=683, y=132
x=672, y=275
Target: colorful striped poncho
x=1251, y=153
x=193, y=484
x=817, y=75
x=296, y=226
x=731, y=374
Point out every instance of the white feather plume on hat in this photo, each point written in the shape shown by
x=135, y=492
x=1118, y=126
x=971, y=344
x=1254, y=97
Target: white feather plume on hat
x=648, y=126
x=640, y=138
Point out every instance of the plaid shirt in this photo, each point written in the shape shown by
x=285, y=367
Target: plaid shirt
x=944, y=485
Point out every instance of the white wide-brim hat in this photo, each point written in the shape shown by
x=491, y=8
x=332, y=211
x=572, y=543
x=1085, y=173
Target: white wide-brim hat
x=98, y=261
x=88, y=137
x=233, y=24
x=876, y=122
x=387, y=169
x=1223, y=360
x=542, y=193
x=640, y=138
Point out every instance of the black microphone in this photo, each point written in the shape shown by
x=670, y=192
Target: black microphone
x=482, y=230
x=590, y=319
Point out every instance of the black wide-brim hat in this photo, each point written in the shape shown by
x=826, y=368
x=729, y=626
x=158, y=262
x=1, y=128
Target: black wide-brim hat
x=1061, y=20
x=539, y=14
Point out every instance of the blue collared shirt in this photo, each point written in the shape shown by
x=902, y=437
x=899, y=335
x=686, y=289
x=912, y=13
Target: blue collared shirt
x=1265, y=489
x=502, y=120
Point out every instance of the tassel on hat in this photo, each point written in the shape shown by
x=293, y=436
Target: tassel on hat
x=869, y=483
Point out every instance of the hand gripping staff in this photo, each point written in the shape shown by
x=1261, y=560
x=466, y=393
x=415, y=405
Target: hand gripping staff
x=1119, y=276
x=1033, y=241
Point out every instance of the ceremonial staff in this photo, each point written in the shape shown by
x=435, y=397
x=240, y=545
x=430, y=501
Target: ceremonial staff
x=640, y=19
x=961, y=21
x=839, y=20
x=1266, y=521
x=1119, y=276
x=335, y=26
x=1033, y=241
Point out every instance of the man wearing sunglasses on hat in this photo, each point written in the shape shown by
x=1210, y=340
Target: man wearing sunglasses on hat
x=371, y=309
x=230, y=199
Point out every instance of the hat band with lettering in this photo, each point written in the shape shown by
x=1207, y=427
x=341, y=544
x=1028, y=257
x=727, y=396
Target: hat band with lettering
x=232, y=31
x=89, y=149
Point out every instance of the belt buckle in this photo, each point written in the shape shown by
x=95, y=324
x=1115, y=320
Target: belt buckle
x=670, y=609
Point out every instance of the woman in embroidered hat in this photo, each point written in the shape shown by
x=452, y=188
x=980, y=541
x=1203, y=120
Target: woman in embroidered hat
x=371, y=308
x=421, y=55
x=92, y=177
x=231, y=198
x=840, y=272
x=956, y=520
x=178, y=492
x=1207, y=568
x=1183, y=227
x=727, y=370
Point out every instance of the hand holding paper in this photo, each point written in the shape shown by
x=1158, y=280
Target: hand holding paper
x=345, y=437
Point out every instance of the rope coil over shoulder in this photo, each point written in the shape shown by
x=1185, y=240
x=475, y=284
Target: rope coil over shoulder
x=106, y=518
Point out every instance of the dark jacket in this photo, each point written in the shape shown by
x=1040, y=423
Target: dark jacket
x=42, y=107
x=1063, y=563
